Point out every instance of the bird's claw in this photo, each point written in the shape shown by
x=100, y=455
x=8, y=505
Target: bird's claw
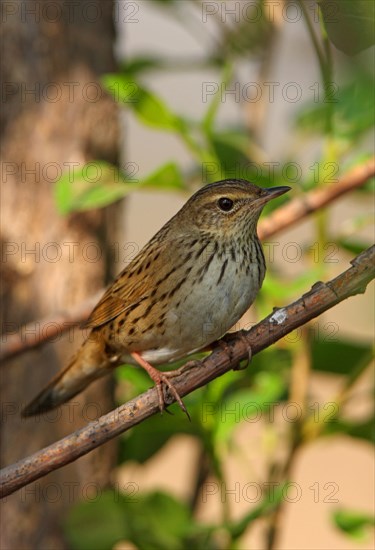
x=163, y=379
x=244, y=340
x=160, y=378
x=228, y=350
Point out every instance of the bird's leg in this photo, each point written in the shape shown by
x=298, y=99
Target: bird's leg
x=159, y=378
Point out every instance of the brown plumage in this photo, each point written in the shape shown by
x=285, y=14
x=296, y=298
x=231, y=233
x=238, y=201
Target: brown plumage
x=187, y=287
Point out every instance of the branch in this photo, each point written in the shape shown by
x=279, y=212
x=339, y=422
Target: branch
x=300, y=208
x=55, y=325
x=37, y=333
x=282, y=321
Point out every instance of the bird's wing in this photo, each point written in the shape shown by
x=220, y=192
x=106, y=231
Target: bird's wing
x=131, y=287
x=113, y=304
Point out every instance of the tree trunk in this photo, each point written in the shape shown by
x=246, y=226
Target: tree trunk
x=55, y=114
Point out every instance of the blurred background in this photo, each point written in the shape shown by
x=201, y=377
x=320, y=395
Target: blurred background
x=113, y=114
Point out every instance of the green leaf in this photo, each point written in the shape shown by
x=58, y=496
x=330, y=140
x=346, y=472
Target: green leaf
x=248, y=404
x=208, y=120
x=279, y=290
x=250, y=35
x=272, y=360
x=146, y=105
x=230, y=148
x=155, y=520
x=100, y=196
x=142, y=442
x=139, y=64
x=270, y=502
x=166, y=522
x=353, y=246
x=137, y=378
x=359, y=430
x=98, y=524
x=329, y=354
x=98, y=184
x=94, y=185
x=354, y=108
x=350, y=24
x=353, y=523
x=168, y=176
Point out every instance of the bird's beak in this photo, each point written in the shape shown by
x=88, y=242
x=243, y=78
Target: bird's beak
x=269, y=193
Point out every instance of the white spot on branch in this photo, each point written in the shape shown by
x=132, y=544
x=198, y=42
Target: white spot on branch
x=279, y=316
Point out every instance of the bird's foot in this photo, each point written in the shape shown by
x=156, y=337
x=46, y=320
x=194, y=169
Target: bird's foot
x=228, y=350
x=241, y=365
x=159, y=378
x=187, y=366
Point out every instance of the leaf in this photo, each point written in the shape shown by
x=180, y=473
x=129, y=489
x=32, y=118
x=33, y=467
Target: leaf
x=94, y=185
x=100, y=196
x=353, y=246
x=155, y=520
x=349, y=23
x=166, y=522
x=279, y=290
x=207, y=123
x=139, y=64
x=353, y=523
x=271, y=359
x=142, y=442
x=168, y=176
x=329, y=354
x=136, y=377
x=146, y=105
x=251, y=34
x=98, y=184
x=98, y=524
x=247, y=405
x=359, y=430
x=270, y=502
x=153, y=111
x=354, y=110
x=231, y=150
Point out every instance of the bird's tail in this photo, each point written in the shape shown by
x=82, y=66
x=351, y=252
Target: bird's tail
x=89, y=363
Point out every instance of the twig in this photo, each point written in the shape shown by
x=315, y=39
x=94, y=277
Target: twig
x=27, y=338
x=282, y=321
x=300, y=208
x=37, y=333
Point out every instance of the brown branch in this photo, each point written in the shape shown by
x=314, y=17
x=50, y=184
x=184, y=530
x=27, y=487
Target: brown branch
x=37, y=333
x=300, y=208
x=55, y=325
x=282, y=321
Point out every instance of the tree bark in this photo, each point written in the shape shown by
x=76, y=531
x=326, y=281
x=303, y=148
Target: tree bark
x=55, y=114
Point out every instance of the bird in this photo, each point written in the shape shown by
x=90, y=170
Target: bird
x=183, y=291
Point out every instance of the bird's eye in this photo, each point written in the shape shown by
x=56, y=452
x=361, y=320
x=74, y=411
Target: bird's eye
x=225, y=204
